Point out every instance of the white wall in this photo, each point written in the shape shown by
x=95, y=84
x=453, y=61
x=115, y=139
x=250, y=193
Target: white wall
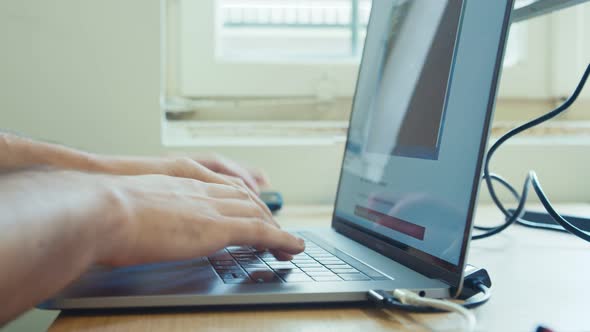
x=86, y=73
x=81, y=72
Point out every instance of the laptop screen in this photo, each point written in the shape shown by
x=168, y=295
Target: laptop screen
x=410, y=159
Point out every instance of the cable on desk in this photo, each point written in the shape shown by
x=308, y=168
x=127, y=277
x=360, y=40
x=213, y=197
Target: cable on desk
x=531, y=179
x=406, y=300
x=411, y=298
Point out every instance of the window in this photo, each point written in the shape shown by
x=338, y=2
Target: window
x=207, y=67
x=552, y=54
x=297, y=60
x=291, y=31
x=241, y=48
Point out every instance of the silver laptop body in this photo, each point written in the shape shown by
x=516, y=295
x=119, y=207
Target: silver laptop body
x=409, y=181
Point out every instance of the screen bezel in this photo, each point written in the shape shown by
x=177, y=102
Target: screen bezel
x=420, y=261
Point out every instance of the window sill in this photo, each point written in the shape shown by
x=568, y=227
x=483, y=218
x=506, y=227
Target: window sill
x=552, y=133
x=286, y=148
x=304, y=133
x=252, y=133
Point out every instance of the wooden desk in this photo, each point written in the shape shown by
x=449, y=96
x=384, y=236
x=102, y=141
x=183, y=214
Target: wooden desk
x=539, y=277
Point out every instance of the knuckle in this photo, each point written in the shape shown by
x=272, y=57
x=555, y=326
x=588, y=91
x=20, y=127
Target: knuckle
x=257, y=211
x=217, y=161
x=260, y=228
x=252, y=211
x=183, y=160
x=226, y=235
x=239, y=181
x=213, y=207
x=240, y=185
x=182, y=166
x=233, y=191
x=209, y=189
x=243, y=192
x=196, y=185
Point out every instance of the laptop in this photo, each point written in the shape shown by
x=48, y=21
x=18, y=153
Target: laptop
x=408, y=187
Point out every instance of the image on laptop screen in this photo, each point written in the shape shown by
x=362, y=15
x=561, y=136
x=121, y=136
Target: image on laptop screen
x=409, y=161
x=414, y=66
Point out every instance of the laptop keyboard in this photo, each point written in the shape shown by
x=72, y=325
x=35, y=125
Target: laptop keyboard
x=242, y=265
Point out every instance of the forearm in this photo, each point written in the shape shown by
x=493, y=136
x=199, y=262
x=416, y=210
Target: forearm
x=19, y=153
x=52, y=226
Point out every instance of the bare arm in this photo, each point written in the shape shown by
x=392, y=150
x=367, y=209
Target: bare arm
x=49, y=234
x=56, y=224
x=17, y=152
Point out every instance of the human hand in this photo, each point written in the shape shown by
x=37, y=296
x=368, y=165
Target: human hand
x=182, y=167
x=21, y=153
x=173, y=218
x=253, y=178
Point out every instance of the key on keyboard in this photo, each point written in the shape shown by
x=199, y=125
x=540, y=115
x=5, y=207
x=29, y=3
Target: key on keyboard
x=243, y=265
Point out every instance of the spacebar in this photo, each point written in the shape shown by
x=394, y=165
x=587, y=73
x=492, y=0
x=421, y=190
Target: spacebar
x=345, y=257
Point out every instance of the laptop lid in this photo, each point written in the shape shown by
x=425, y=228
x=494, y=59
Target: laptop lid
x=418, y=130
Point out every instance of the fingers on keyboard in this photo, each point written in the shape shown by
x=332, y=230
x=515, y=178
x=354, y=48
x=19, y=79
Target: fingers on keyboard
x=238, y=265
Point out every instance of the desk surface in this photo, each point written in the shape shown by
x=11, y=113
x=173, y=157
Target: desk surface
x=539, y=277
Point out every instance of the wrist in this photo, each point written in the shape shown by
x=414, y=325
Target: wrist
x=112, y=224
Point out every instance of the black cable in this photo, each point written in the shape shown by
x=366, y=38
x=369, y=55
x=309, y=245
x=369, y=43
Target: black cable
x=384, y=299
x=512, y=216
x=510, y=188
x=554, y=214
x=531, y=178
x=543, y=226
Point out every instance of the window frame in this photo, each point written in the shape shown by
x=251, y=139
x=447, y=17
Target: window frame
x=545, y=72
x=248, y=78
x=570, y=51
x=529, y=77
